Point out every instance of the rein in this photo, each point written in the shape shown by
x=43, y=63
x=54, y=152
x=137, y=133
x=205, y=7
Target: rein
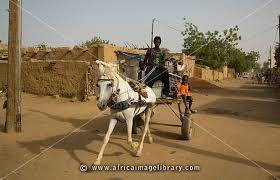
x=112, y=102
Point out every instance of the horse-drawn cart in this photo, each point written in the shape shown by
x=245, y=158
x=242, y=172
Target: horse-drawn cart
x=128, y=102
x=175, y=69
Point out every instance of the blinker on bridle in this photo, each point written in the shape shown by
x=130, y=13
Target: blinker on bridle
x=111, y=84
x=111, y=80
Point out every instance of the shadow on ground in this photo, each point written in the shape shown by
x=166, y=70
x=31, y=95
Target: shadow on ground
x=77, y=140
x=244, y=109
x=218, y=155
x=80, y=140
x=246, y=90
x=2, y=127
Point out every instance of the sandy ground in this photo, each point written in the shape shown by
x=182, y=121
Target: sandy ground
x=241, y=115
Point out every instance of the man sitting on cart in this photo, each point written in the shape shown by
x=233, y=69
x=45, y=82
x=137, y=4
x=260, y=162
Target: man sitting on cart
x=154, y=60
x=184, y=92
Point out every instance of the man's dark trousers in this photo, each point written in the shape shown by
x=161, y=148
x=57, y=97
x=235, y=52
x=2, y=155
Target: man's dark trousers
x=160, y=73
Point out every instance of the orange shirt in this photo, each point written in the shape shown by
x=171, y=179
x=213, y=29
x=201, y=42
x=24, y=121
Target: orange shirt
x=183, y=89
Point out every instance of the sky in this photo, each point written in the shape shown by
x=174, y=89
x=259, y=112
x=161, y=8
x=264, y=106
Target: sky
x=70, y=22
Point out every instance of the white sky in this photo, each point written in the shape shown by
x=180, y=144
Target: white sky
x=130, y=21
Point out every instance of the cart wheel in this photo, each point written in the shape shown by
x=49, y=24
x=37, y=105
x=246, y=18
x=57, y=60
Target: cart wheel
x=187, y=127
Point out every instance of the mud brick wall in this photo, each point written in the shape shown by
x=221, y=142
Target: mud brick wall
x=224, y=70
x=3, y=74
x=206, y=73
x=103, y=52
x=3, y=46
x=203, y=73
x=231, y=72
x=215, y=75
x=64, y=78
x=61, y=71
x=75, y=54
x=188, y=60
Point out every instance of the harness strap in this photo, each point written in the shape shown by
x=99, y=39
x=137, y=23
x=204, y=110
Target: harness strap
x=140, y=103
x=147, y=75
x=120, y=121
x=120, y=105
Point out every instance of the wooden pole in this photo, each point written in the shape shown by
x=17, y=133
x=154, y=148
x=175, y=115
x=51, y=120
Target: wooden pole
x=270, y=58
x=279, y=30
x=270, y=65
x=152, y=34
x=13, y=114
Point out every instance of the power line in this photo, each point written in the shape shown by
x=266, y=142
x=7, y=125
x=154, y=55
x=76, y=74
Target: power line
x=238, y=23
x=47, y=25
x=252, y=13
x=258, y=33
x=242, y=20
x=168, y=26
x=245, y=40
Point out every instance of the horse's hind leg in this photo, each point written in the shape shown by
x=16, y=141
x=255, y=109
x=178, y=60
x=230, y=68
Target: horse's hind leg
x=137, y=122
x=134, y=126
x=112, y=124
x=148, y=112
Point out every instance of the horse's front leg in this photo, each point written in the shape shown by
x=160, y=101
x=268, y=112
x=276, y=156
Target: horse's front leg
x=112, y=125
x=133, y=145
x=148, y=113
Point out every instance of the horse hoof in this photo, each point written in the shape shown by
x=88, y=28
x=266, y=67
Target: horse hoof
x=138, y=154
x=151, y=140
x=96, y=162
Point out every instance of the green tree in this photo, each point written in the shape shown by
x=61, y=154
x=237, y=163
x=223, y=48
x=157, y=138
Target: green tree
x=237, y=60
x=95, y=41
x=242, y=61
x=217, y=49
x=257, y=67
x=252, y=60
x=212, y=47
x=42, y=45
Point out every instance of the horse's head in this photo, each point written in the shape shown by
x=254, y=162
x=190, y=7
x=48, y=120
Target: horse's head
x=106, y=85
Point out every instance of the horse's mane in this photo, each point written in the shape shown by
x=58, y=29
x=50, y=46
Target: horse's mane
x=109, y=73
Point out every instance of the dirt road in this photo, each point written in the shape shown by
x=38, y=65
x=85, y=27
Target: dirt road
x=239, y=117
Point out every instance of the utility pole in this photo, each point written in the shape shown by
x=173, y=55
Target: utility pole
x=152, y=33
x=270, y=60
x=279, y=30
x=13, y=114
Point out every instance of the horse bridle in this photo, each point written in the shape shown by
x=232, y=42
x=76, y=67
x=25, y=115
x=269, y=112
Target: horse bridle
x=114, y=93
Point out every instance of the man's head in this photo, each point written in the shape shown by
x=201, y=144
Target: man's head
x=185, y=79
x=157, y=41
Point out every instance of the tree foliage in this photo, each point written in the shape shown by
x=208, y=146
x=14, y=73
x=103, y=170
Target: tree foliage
x=95, y=41
x=42, y=45
x=217, y=49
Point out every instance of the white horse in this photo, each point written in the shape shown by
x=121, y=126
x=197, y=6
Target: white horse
x=112, y=85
